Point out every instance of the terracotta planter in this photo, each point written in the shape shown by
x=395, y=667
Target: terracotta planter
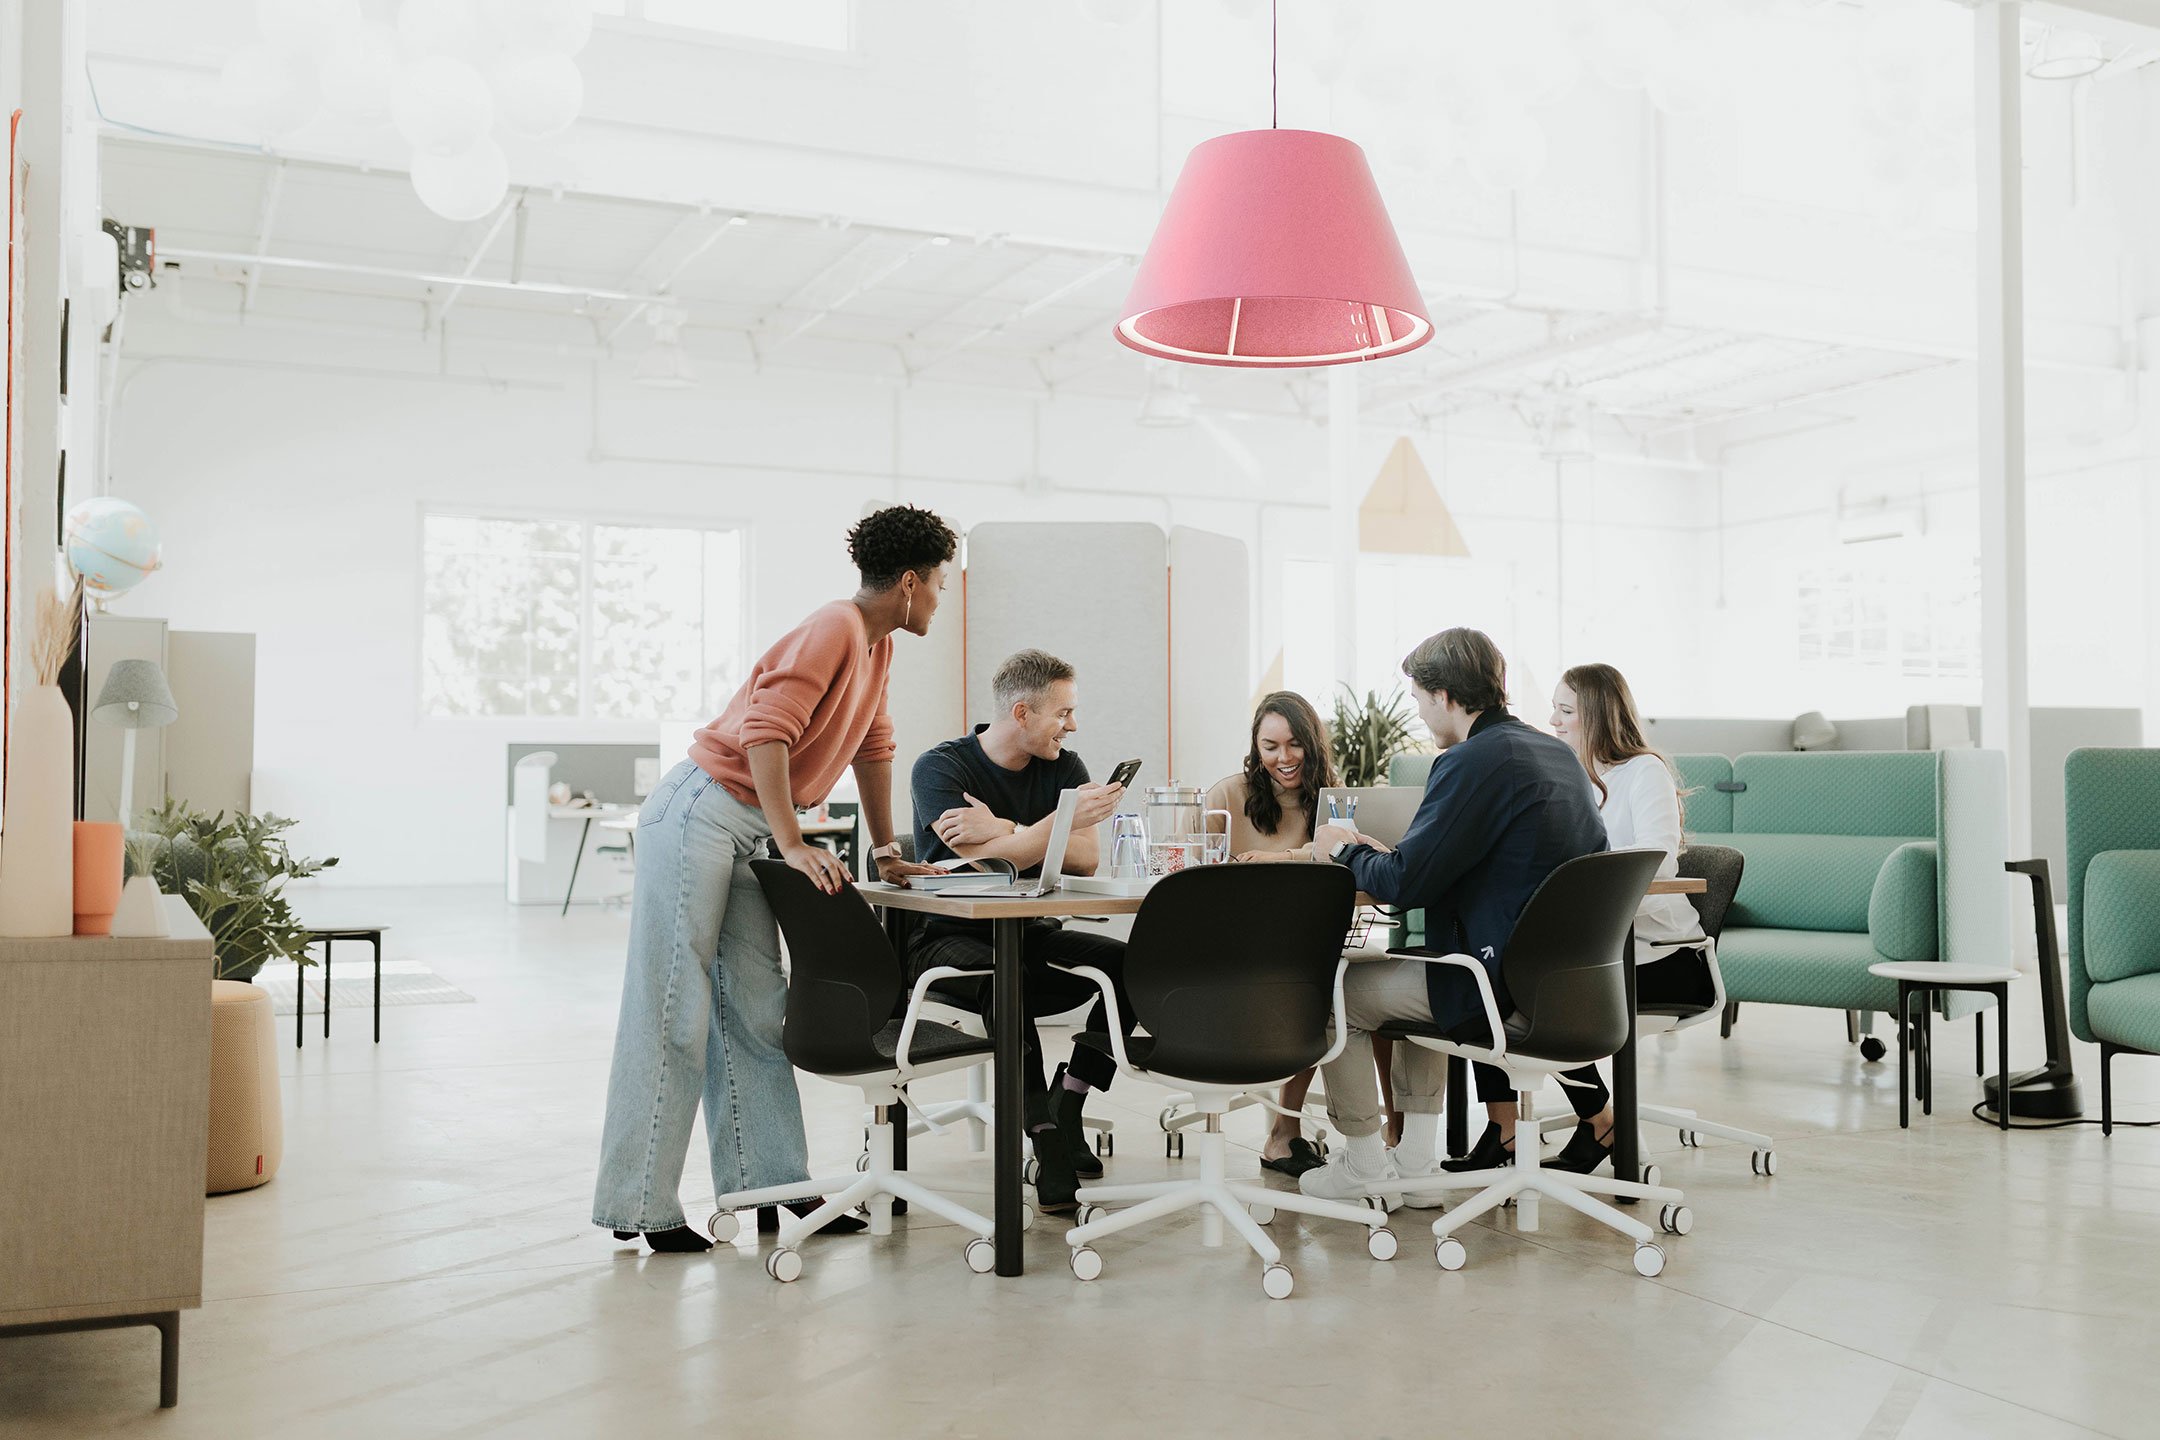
x=99, y=847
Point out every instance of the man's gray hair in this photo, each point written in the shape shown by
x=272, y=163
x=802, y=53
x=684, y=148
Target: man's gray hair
x=1025, y=676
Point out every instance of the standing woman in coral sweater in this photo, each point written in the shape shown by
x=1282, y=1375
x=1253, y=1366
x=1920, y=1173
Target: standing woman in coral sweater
x=703, y=996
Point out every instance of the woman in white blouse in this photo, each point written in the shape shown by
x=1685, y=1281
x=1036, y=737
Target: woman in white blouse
x=1594, y=711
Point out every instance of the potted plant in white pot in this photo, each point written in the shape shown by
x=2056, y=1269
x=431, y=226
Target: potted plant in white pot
x=232, y=870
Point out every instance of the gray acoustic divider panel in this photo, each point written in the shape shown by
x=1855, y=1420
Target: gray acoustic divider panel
x=608, y=771
x=927, y=695
x=1097, y=596
x=1210, y=654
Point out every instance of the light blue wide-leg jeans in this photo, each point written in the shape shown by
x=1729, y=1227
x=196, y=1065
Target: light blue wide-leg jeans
x=703, y=999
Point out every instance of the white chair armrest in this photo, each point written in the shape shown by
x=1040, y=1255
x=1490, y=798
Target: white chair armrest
x=1110, y=1009
x=1494, y=1023
x=1341, y=1021
x=923, y=983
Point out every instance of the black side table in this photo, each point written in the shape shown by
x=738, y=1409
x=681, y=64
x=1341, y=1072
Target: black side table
x=1924, y=978
x=326, y=938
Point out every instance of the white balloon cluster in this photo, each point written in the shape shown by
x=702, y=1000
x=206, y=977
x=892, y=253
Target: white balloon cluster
x=449, y=74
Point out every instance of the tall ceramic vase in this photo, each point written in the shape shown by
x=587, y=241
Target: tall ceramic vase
x=37, y=843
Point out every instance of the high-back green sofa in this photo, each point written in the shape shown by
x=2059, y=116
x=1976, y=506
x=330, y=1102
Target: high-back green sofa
x=1853, y=857
x=2111, y=811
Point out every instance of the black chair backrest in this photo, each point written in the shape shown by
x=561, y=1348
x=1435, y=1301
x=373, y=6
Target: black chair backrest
x=1562, y=963
x=1719, y=867
x=1232, y=969
x=844, y=981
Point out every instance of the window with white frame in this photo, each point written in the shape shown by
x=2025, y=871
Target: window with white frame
x=1906, y=610
x=578, y=619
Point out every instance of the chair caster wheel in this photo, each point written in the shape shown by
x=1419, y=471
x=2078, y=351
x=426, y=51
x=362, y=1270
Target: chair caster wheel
x=981, y=1256
x=1450, y=1253
x=862, y=1162
x=1690, y=1140
x=1381, y=1203
x=1872, y=1049
x=1105, y=1144
x=1261, y=1214
x=1086, y=1264
x=1763, y=1162
x=1173, y=1145
x=1676, y=1219
x=1087, y=1214
x=1380, y=1243
x=724, y=1227
x=1277, y=1281
x=1649, y=1261
x=1030, y=1170
x=1651, y=1175
x=784, y=1265
x=1027, y=1217
x=1169, y=1114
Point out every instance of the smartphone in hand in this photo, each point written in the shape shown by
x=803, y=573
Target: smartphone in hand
x=1124, y=773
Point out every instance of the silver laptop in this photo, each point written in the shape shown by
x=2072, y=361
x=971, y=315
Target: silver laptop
x=1383, y=811
x=1053, y=866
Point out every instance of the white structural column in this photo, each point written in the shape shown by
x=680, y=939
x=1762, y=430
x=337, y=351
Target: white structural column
x=2005, y=720
x=1345, y=493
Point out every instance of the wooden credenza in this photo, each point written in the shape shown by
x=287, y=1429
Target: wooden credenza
x=104, y=1111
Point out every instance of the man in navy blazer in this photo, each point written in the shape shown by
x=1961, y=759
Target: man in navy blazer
x=1504, y=806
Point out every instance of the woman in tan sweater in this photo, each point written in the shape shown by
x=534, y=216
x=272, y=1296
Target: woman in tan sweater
x=1272, y=803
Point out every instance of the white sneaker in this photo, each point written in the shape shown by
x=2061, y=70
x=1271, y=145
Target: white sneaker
x=1339, y=1180
x=1418, y=1199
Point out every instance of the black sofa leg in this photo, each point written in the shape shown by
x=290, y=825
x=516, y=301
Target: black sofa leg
x=2107, y=1088
x=1980, y=1042
x=1725, y=1021
x=1852, y=1027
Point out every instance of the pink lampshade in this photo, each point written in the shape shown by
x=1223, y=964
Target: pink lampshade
x=1275, y=250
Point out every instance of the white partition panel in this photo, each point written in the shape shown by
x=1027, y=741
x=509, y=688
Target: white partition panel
x=1097, y=596
x=927, y=696
x=1210, y=654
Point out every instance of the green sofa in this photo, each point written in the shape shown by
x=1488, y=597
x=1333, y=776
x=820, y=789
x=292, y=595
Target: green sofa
x=2111, y=808
x=1855, y=857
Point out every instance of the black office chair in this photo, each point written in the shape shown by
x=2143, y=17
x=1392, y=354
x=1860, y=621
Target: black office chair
x=1561, y=968
x=844, y=987
x=1235, y=972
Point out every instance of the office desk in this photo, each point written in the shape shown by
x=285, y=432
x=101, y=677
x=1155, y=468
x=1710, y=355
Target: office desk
x=588, y=814
x=1008, y=926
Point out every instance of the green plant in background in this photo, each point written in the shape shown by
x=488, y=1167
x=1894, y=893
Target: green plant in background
x=1367, y=734
x=232, y=871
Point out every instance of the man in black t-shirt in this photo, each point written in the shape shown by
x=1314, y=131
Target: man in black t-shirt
x=994, y=794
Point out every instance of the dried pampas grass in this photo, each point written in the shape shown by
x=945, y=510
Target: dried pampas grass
x=52, y=639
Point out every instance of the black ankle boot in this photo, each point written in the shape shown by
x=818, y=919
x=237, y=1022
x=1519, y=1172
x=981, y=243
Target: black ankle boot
x=768, y=1218
x=1490, y=1153
x=682, y=1240
x=1065, y=1108
x=1584, y=1152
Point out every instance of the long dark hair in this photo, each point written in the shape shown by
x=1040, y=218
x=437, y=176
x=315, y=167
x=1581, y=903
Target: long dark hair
x=1612, y=728
x=1318, y=772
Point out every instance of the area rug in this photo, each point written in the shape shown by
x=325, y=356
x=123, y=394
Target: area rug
x=352, y=984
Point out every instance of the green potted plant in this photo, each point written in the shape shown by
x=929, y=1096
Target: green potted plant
x=1367, y=734
x=232, y=870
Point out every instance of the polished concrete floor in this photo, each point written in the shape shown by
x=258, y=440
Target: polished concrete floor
x=422, y=1266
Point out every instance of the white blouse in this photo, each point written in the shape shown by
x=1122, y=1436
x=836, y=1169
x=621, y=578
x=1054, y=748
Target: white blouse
x=1641, y=810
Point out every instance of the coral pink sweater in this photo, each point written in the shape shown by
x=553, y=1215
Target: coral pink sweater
x=820, y=691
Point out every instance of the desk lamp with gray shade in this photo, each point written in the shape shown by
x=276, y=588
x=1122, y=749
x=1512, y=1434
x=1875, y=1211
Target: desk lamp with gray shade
x=135, y=697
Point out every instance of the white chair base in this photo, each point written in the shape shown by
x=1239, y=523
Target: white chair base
x=1245, y=1205
x=1526, y=1181
x=875, y=1186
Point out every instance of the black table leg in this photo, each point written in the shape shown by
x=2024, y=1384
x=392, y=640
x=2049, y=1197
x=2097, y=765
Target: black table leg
x=377, y=937
x=584, y=834
x=1979, y=1044
x=1627, y=1130
x=1008, y=1005
x=168, y=1325
x=1904, y=1055
x=1458, y=1106
x=326, y=987
x=299, y=1006
x=1927, y=1052
x=2002, y=1053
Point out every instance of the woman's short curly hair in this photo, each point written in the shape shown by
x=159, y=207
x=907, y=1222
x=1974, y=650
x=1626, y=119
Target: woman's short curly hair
x=888, y=543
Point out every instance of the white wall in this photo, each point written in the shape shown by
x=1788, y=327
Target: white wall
x=288, y=468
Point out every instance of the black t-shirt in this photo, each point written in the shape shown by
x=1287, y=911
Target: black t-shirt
x=945, y=775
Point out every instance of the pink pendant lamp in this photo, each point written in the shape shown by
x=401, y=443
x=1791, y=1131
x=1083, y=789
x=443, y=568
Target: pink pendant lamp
x=1275, y=250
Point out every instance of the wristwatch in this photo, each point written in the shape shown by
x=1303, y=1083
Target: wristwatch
x=889, y=850
x=1340, y=846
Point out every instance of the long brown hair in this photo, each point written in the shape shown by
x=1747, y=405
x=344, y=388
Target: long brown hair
x=1318, y=771
x=1612, y=729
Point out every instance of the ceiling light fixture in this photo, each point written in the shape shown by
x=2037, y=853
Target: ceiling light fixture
x=1274, y=250
x=664, y=365
x=2065, y=55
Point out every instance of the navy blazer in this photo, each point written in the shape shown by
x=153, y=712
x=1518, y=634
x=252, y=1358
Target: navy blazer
x=1502, y=810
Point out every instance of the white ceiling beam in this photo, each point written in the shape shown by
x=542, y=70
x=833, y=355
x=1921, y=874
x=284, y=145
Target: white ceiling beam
x=503, y=213
x=421, y=277
x=665, y=284
x=875, y=278
x=1078, y=282
x=265, y=225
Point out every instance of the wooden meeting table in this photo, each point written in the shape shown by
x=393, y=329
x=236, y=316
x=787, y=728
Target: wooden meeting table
x=1008, y=1005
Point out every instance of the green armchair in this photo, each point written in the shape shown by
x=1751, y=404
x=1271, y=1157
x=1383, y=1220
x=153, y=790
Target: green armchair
x=2111, y=803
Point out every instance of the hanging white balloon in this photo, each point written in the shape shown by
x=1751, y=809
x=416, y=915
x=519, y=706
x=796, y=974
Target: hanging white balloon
x=538, y=95
x=308, y=27
x=357, y=75
x=441, y=105
x=443, y=27
x=464, y=186
x=272, y=90
x=540, y=27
